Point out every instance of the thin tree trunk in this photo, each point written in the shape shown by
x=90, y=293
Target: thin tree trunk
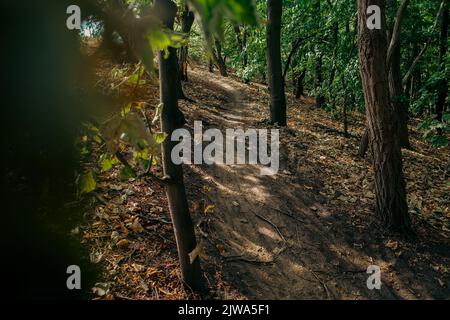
x=220, y=60
x=387, y=158
x=443, y=84
x=335, y=50
x=364, y=143
x=187, y=20
x=237, y=32
x=299, y=87
x=210, y=66
x=318, y=79
x=398, y=98
x=393, y=61
x=345, y=117
x=175, y=190
x=244, y=43
x=417, y=83
x=294, y=49
x=273, y=56
x=345, y=107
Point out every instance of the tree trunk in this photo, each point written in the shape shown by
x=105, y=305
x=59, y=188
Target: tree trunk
x=335, y=50
x=345, y=107
x=387, y=159
x=415, y=82
x=220, y=60
x=237, y=32
x=443, y=84
x=345, y=116
x=318, y=79
x=210, y=66
x=273, y=56
x=299, y=92
x=364, y=143
x=187, y=20
x=398, y=98
x=244, y=44
x=175, y=190
x=179, y=86
x=397, y=93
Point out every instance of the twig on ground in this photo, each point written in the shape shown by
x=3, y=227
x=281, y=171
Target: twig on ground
x=241, y=258
x=322, y=283
x=273, y=225
x=289, y=214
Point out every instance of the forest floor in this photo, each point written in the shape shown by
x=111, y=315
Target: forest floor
x=308, y=232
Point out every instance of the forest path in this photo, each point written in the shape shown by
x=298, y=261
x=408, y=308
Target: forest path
x=272, y=235
x=258, y=241
x=307, y=232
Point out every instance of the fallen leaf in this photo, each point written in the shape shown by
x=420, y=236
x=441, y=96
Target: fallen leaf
x=221, y=249
x=136, y=226
x=391, y=244
x=115, y=236
x=209, y=208
x=123, y=243
x=101, y=288
x=138, y=267
x=197, y=252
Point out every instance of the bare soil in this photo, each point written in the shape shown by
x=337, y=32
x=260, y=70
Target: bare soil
x=308, y=232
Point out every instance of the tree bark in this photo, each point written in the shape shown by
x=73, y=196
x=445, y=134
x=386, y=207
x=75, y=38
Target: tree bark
x=318, y=79
x=210, y=65
x=220, y=60
x=244, y=44
x=273, y=56
x=396, y=91
x=398, y=98
x=187, y=20
x=237, y=32
x=299, y=92
x=443, y=84
x=364, y=143
x=395, y=35
x=175, y=190
x=335, y=50
x=387, y=159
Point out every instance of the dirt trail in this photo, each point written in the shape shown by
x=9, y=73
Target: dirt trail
x=278, y=237
x=307, y=232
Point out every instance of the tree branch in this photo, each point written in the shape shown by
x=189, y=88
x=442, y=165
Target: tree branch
x=419, y=56
x=395, y=37
x=291, y=54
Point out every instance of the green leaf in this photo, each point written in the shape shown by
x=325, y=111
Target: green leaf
x=107, y=161
x=137, y=76
x=211, y=13
x=84, y=151
x=86, y=182
x=125, y=110
x=162, y=39
x=130, y=129
x=160, y=137
x=126, y=173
